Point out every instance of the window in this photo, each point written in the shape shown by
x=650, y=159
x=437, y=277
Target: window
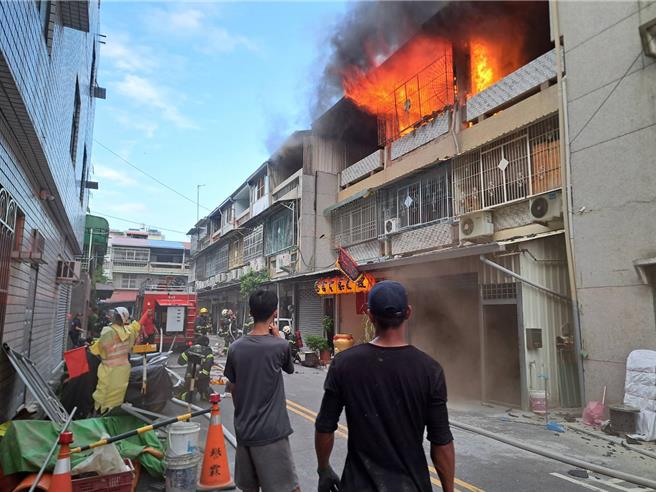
x=355, y=222
x=236, y=254
x=511, y=168
x=279, y=233
x=92, y=76
x=409, y=205
x=418, y=202
x=259, y=187
x=84, y=177
x=44, y=9
x=75, y=124
x=222, y=259
x=19, y=232
x=8, y=226
x=201, y=268
x=253, y=243
x=228, y=216
x=128, y=281
x=140, y=255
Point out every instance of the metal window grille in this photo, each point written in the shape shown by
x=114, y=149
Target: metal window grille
x=130, y=254
x=423, y=201
x=418, y=99
x=221, y=261
x=253, y=243
x=235, y=253
x=279, y=232
x=201, y=267
x=510, y=168
x=499, y=291
x=355, y=222
x=8, y=212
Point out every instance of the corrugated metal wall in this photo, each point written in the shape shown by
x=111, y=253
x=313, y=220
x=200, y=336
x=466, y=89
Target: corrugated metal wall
x=544, y=262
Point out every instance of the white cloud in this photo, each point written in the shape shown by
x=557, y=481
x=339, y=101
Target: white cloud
x=147, y=126
x=125, y=55
x=200, y=26
x=143, y=91
x=219, y=40
x=112, y=175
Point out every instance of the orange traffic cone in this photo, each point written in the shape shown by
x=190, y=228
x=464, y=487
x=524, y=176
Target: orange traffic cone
x=215, y=473
x=60, y=481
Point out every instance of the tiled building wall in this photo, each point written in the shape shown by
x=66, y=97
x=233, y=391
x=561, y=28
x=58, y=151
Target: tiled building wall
x=37, y=91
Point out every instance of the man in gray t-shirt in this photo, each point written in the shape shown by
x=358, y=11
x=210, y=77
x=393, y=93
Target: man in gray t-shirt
x=254, y=368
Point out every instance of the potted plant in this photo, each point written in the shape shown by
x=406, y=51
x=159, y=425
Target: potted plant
x=319, y=345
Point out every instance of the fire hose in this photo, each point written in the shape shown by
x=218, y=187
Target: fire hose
x=645, y=482
x=141, y=430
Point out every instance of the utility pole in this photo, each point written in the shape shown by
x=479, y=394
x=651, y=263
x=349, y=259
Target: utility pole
x=198, y=187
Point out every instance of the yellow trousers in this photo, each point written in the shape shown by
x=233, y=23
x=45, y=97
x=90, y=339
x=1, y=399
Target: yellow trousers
x=112, y=385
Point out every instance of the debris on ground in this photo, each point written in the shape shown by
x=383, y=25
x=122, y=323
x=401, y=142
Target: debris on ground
x=578, y=473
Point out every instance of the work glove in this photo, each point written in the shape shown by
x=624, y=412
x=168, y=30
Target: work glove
x=328, y=480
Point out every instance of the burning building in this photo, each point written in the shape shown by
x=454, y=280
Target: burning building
x=460, y=197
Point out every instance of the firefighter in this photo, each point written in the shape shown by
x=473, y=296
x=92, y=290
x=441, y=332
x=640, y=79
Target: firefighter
x=203, y=322
x=113, y=347
x=226, y=327
x=199, y=360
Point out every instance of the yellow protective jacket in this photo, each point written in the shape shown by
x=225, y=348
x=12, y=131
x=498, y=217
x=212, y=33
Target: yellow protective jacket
x=114, y=347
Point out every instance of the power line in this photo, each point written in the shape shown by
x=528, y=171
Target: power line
x=137, y=223
x=149, y=175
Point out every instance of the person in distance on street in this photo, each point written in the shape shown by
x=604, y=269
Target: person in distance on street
x=392, y=392
x=254, y=368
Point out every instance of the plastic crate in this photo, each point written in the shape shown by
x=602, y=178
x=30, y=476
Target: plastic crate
x=117, y=482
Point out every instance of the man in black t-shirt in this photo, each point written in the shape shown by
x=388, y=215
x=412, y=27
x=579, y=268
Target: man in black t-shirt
x=392, y=392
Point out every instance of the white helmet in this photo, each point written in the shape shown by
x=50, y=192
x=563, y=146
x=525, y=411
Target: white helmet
x=224, y=313
x=124, y=314
x=287, y=330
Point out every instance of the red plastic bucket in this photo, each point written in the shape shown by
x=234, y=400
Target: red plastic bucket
x=76, y=362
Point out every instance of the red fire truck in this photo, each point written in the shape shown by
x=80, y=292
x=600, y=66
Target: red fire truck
x=174, y=309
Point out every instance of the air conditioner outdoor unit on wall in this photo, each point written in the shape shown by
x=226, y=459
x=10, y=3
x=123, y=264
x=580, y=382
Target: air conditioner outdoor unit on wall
x=392, y=225
x=547, y=207
x=283, y=261
x=68, y=271
x=476, y=226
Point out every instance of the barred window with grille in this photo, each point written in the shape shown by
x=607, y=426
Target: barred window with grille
x=131, y=254
x=128, y=281
x=253, y=243
x=221, y=259
x=355, y=222
x=511, y=168
x=422, y=201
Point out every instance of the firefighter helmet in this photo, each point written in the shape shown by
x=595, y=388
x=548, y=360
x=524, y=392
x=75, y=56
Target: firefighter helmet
x=203, y=310
x=124, y=314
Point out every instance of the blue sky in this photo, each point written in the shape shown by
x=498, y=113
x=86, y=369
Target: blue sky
x=198, y=93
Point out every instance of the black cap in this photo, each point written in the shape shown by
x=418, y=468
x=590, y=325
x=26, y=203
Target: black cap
x=388, y=299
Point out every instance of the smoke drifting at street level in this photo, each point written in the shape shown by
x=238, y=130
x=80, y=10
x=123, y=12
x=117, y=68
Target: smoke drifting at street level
x=368, y=33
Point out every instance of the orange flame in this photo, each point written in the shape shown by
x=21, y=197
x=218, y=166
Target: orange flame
x=482, y=72
x=413, y=83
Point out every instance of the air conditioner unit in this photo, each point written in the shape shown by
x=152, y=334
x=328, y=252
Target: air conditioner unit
x=392, y=225
x=68, y=271
x=547, y=207
x=283, y=261
x=475, y=226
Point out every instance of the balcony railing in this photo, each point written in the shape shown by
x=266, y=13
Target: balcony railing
x=153, y=267
x=362, y=168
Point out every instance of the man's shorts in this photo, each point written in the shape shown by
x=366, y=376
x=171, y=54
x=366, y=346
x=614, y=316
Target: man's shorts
x=270, y=467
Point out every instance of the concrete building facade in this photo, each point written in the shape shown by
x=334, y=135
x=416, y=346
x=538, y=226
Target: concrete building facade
x=609, y=97
x=48, y=87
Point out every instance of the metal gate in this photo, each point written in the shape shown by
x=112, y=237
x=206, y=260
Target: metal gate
x=310, y=310
x=7, y=229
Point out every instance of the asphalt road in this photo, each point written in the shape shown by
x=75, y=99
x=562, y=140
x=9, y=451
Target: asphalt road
x=482, y=464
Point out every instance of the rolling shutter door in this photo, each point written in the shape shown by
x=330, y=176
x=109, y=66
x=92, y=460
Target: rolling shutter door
x=60, y=332
x=310, y=310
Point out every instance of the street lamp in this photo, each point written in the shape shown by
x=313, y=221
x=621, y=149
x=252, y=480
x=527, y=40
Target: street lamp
x=198, y=187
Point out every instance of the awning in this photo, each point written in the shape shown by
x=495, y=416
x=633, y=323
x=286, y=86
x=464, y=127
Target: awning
x=444, y=254
x=122, y=296
x=173, y=302
x=352, y=198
